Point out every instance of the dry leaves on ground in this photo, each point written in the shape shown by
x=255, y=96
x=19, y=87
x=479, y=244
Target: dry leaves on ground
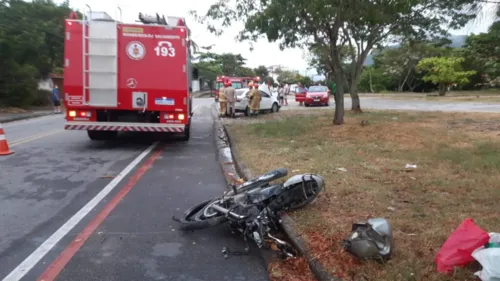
x=457, y=176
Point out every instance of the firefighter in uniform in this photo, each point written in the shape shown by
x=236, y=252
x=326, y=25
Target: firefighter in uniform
x=222, y=101
x=230, y=94
x=254, y=100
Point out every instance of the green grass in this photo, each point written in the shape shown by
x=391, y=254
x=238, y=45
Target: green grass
x=457, y=176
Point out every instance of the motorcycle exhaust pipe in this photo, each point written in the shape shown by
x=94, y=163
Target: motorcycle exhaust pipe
x=226, y=211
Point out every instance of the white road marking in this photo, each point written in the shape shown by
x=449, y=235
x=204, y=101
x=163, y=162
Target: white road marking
x=22, y=269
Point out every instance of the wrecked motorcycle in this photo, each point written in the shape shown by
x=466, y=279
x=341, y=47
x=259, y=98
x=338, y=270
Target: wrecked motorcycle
x=253, y=208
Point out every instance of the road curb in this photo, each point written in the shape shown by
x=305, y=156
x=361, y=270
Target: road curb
x=18, y=118
x=230, y=153
x=227, y=163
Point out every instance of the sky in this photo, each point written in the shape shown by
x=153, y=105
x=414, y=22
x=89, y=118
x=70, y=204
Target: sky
x=264, y=52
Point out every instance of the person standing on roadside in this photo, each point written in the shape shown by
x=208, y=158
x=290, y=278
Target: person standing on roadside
x=56, y=100
x=254, y=101
x=287, y=92
x=222, y=101
x=281, y=93
x=230, y=94
x=301, y=89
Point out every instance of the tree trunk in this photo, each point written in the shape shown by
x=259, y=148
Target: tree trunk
x=353, y=91
x=371, y=84
x=402, y=85
x=442, y=90
x=339, y=101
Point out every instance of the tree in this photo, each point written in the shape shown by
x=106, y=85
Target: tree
x=334, y=24
x=208, y=70
x=444, y=71
x=229, y=64
x=262, y=71
x=306, y=80
x=400, y=63
x=31, y=47
x=287, y=77
x=319, y=60
x=245, y=72
x=482, y=53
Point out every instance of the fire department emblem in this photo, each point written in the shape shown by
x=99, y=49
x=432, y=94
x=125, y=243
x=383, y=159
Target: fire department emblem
x=136, y=50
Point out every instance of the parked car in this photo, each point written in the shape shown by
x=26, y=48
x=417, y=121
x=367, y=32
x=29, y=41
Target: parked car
x=317, y=95
x=268, y=101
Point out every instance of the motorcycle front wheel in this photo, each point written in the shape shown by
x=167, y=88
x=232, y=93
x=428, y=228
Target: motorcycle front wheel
x=196, y=217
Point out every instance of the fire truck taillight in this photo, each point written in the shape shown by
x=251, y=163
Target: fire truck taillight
x=84, y=114
x=180, y=116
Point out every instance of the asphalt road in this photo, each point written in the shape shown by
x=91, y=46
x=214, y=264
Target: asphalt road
x=72, y=209
x=388, y=104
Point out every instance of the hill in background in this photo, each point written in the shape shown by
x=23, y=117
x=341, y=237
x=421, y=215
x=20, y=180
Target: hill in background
x=457, y=41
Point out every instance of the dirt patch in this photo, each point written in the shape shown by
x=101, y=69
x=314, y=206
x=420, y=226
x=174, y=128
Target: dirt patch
x=295, y=269
x=457, y=176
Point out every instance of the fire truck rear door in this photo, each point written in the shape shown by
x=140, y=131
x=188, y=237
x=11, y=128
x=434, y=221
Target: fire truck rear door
x=102, y=63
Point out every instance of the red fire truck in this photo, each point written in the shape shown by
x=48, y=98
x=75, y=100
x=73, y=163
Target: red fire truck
x=236, y=82
x=127, y=77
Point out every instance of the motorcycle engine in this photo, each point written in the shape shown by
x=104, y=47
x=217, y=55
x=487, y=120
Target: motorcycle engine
x=370, y=240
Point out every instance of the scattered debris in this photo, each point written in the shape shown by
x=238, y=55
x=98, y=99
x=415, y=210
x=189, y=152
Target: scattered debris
x=410, y=166
x=489, y=258
x=458, y=248
x=395, y=118
x=391, y=209
x=342, y=169
x=364, y=122
x=295, y=171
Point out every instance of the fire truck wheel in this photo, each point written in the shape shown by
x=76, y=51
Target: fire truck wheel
x=102, y=135
x=187, y=133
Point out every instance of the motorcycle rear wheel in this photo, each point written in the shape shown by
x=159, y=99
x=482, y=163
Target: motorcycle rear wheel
x=193, y=218
x=312, y=190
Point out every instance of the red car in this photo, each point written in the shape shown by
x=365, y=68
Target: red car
x=317, y=95
x=300, y=94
